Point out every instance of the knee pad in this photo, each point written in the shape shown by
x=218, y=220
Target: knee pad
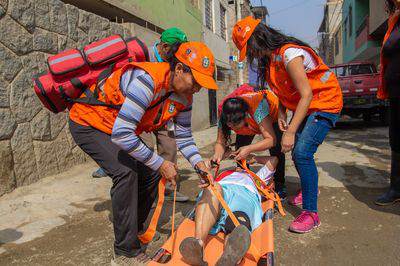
x=243, y=219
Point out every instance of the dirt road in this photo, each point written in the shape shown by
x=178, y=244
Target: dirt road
x=65, y=220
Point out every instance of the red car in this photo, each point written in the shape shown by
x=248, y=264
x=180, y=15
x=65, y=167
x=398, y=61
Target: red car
x=359, y=83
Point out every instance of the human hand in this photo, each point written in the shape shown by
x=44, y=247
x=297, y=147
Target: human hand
x=203, y=172
x=168, y=171
x=216, y=158
x=288, y=139
x=242, y=153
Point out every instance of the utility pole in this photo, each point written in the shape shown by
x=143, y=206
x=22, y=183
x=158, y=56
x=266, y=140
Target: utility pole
x=239, y=17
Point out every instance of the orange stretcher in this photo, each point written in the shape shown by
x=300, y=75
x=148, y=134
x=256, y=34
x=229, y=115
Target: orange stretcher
x=261, y=251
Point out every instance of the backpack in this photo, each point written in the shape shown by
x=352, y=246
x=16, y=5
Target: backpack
x=72, y=72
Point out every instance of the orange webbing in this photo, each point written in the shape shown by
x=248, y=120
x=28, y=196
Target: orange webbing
x=263, y=188
x=147, y=236
x=173, y=223
x=253, y=250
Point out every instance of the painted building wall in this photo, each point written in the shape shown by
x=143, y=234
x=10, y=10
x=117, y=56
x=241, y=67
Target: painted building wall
x=369, y=49
x=171, y=13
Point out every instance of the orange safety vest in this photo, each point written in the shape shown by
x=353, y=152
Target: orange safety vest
x=253, y=100
x=382, y=90
x=103, y=118
x=327, y=95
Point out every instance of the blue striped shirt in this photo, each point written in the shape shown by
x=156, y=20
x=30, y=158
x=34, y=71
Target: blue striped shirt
x=138, y=88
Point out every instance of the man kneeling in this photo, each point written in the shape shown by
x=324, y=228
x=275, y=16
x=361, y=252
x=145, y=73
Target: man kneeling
x=242, y=197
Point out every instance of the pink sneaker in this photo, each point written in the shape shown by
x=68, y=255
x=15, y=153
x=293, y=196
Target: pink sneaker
x=305, y=222
x=297, y=199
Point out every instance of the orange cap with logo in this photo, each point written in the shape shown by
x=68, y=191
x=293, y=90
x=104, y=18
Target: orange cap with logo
x=241, y=34
x=200, y=59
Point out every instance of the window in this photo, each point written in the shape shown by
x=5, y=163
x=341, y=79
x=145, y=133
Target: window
x=340, y=71
x=222, y=74
x=337, y=41
x=345, y=30
x=361, y=69
x=209, y=14
x=350, y=21
x=222, y=12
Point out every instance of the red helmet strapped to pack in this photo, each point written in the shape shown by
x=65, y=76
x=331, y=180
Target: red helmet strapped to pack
x=72, y=71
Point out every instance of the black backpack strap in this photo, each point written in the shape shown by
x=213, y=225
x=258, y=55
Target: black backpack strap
x=102, y=77
x=163, y=98
x=90, y=96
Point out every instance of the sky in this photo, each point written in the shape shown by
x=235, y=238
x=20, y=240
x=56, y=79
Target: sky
x=298, y=18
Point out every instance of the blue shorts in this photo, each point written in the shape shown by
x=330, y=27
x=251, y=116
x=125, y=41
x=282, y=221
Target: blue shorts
x=239, y=198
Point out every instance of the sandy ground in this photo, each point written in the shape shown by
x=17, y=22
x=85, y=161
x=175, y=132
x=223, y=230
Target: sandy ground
x=65, y=219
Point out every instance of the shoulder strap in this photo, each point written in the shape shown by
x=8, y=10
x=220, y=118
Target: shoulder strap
x=162, y=99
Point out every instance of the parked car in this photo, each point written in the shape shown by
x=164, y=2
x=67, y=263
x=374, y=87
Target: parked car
x=359, y=83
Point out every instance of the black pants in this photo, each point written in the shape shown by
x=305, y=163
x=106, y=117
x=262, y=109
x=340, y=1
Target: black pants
x=279, y=177
x=134, y=186
x=394, y=125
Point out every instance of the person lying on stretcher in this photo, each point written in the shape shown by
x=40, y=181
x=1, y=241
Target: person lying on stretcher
x=242, y=197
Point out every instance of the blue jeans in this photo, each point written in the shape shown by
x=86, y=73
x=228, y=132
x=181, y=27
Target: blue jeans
x=309, y=136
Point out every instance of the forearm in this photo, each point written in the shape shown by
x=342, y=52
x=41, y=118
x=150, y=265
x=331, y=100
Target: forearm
x=300, y=113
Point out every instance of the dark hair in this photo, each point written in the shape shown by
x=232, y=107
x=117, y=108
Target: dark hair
x=233, y=111
x=173, y=61
x=266, y=38
x=390, y=7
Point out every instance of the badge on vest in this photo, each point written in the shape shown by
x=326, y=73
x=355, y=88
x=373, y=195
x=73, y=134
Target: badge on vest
x=171, y=108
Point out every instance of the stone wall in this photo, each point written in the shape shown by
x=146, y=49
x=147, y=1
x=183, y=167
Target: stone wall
x=33, y=141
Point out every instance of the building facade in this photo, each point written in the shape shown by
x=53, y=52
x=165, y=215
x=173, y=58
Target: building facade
x=329, y=33
x=358, y=44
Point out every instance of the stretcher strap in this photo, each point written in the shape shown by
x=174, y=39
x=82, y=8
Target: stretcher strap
x=263, y=187
x=253, y=250
x=173, y=235
x=148, y=235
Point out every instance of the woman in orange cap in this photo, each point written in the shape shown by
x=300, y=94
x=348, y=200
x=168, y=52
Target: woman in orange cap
x=305, y=85
x=111, y=136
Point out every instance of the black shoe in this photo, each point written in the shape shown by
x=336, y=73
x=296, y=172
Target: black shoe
x=388, y=198
x=281, y=191
x=237, y=244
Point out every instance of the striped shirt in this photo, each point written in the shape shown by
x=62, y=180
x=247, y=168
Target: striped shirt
x=138, y=88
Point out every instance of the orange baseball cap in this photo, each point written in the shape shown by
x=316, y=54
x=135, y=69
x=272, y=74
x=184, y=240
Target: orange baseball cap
x=241, y=34
x=200, y=59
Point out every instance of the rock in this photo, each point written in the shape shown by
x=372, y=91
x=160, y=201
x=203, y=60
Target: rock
x=116, y=28
x=10, y=64
x=71, y=141
x=58, y=17
x=34, y=63
x=46, y=159
x=73, y=21
x=23, y=101
x=64, y=155
x=57, y=123
x=45, y=41
x=99, y=29
x=4, y=93
x=7, y=177
x=42, y=14
x=15, y=37
x=7, y=124
x=40, y=126
x=79, y=155
x=23, y=11
x=83, y=39
x=65, y=43
x=83, y=22
x=25, y=168
x=4, y=4
x=2, y=13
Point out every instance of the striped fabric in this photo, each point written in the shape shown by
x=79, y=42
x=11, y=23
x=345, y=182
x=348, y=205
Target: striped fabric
x=138, y=88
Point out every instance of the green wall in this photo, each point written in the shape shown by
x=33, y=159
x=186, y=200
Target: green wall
x=172, y=13
x=360, y=10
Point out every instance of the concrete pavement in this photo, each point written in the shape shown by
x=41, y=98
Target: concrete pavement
x=65, y=219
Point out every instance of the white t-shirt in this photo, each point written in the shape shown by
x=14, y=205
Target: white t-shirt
x=309, y=62
x=242, y=178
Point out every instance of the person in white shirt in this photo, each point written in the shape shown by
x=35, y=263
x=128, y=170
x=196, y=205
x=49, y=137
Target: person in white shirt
x=241, y=195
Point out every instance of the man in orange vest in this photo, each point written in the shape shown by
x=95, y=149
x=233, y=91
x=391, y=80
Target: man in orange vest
x=111, y=137
x=165, y=138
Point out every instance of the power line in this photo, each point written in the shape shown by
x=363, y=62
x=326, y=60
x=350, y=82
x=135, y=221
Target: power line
x=293, y=6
